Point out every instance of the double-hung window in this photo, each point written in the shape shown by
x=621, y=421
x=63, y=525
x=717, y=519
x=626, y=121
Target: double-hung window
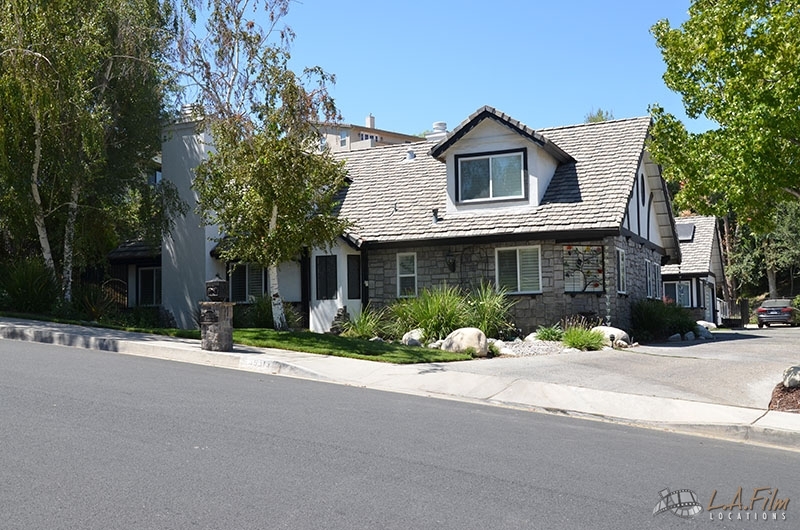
x=150, y=286
x=246, y=282
x=406, y=274
x=678, y=292
x=489, y=176
x=519, y=269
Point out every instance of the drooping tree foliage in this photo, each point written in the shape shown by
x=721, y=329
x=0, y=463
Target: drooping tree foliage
x=82, y=88
x=266, y=184
x=736, y=63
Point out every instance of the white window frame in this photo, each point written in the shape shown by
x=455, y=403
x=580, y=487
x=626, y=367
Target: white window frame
x=538, y=250
x=622, y=276
x=490, y=156
x=678, y=284
x=657, y=279
x=648, y=270
x=401, y=255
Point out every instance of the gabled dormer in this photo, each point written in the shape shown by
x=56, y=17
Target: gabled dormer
x=494, y=162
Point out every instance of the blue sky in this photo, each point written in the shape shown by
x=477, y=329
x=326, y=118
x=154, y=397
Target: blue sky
x=545, y=63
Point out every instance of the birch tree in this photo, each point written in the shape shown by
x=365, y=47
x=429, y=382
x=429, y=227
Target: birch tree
x=82, y=83
x=266, y=184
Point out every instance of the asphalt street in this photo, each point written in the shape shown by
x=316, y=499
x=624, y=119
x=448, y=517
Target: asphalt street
x=101, y=440
x=739, y=367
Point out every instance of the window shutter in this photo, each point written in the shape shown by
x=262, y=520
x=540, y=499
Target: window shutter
x=255, y=281
x=507, y=270
x=353, y=277
x=529, y=269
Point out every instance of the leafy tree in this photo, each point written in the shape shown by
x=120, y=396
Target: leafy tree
x=266, y=184
x=596, y=116
x=736, y=63
x=82, y=84
x=775, y=252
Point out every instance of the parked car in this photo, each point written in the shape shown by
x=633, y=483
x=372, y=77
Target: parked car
x=777, y=311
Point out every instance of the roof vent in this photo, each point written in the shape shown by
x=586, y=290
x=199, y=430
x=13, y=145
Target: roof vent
x=410, y=155
x=439, y=131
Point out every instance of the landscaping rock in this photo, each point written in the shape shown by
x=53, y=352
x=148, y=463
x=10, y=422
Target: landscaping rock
x=689, y=335
x=791, y=377
x=620, y=336
x=702, y=333
x=464, y=339
x=531, y=337
x=706, y=324
x=436, y=345
x=675, y=338
x=413, y=338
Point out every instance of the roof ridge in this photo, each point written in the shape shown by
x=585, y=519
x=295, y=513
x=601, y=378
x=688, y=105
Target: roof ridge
x=593, y=124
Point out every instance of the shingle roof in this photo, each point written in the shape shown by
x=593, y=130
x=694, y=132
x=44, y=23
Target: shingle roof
x=391, y=197
x=696, y=254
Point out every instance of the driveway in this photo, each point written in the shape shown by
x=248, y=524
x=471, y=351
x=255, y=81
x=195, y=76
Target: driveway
x=738, y=367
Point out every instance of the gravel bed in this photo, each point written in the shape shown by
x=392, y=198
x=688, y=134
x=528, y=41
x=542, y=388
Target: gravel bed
x=524, y=348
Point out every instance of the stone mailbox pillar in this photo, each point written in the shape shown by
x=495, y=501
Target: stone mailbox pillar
x=216, y=317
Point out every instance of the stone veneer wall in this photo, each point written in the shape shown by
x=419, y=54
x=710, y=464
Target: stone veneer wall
x=477, y=262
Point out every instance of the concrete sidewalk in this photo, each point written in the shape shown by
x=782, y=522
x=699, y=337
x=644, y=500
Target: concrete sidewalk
x=481, y=381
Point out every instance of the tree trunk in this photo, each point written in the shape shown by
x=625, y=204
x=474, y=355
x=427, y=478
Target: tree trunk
x=730, y=291
x=772, y=281
x=278, y=316
x=38, y=212
x=69, y=237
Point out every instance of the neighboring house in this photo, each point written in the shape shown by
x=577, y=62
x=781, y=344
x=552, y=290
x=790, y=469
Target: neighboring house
x=568, y=220
x=699, y=279
x=349, y=137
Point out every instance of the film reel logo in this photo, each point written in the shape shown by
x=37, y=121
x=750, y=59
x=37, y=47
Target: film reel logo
x=682, y=503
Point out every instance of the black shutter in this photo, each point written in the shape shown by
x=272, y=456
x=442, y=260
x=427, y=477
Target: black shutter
x=326, y=277
x=353, y=277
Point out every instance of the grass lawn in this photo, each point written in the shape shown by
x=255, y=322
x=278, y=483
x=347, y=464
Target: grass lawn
x=302, y=341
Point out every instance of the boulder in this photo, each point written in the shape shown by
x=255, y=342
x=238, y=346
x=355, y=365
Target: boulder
x=413, y=338
x=689, y=336
x=702, y=333
x=620, y=336
x=706, y=324
x=531, y=337
x=675, y=338
x=464, y=339
x=791, y=377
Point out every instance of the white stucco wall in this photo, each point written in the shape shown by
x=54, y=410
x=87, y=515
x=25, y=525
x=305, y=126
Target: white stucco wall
x=490, y=136
x=323, y=311
x=185, y=260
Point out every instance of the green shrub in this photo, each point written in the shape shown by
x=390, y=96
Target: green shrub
x=552, y=333
x=29, y=287
x=579, y=321
x=489, y=310
x=653, y=320
x=92, y=302
x=368, y=324
x=583, y=339
x=258, y=314
x=437, y=311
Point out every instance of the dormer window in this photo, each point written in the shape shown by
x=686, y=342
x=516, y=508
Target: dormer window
x=491, y=176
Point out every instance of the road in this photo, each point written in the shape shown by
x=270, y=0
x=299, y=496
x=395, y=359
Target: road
x=739, y=367
x=95, y=440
